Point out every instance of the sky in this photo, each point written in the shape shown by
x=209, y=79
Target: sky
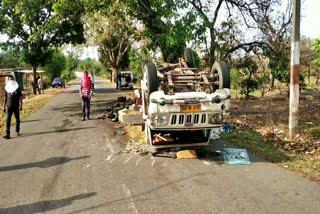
x=310, y=18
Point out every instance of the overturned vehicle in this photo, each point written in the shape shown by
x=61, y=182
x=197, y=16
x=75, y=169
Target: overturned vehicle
x=183, y=106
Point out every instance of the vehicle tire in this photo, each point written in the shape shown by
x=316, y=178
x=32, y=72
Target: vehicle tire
x=151, y=78
x=188, y=56
x=221, y=75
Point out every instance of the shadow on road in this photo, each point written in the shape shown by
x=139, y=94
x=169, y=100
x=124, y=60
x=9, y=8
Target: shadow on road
x=29, y=121
x=145, y=195
x=56, y=131
x=43, y=206
x=50, y=162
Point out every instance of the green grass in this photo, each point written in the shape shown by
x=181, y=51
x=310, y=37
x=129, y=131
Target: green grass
x=252, y=141
x=306, y=165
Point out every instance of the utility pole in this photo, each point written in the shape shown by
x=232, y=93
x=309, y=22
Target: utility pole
x=294, y=71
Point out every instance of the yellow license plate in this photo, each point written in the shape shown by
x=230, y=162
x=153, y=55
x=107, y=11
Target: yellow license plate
x=190, y=108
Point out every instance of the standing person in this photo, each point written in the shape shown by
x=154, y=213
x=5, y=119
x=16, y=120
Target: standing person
x=118, y=79
x=86, y=91
x=40, y=85
x=92, y=78
x=36, y=84
x=12, y=104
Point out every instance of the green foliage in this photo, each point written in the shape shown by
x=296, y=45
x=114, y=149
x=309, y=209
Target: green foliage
x=316, y=49
x=279, y=57
x=55, y=65
x=72, y=62
x=86, y=65
x=263, y=82
x=235, y=76
x=197, y=60
x=248, y=68
x=137, y=57
x=11, y=58
x=166, y=27
x=114, y=31
x=68, y=75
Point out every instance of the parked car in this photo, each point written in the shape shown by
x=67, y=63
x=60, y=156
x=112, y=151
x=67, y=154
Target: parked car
x=58, y=82
x=127, y=79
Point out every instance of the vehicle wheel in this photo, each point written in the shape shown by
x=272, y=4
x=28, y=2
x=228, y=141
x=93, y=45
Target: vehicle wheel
x=151, y=78
x=188, y=56
x=221, y=75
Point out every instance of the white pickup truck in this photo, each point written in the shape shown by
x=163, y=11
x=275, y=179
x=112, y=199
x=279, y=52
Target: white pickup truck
x=184, y=107
x=127, y=79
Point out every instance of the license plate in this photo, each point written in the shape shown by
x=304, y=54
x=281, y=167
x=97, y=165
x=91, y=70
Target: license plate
x=190, y=108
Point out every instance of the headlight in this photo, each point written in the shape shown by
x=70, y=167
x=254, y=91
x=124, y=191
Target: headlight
x=160, y=120
x=217, y=118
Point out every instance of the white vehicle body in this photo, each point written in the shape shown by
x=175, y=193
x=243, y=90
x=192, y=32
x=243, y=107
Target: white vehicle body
x=127, y=79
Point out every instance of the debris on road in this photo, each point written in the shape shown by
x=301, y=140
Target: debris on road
x=187, y=154
x=236, y=156
x=137, y=149
x=119, y=132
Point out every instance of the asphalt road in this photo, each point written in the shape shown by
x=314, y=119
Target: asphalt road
x=63, y=165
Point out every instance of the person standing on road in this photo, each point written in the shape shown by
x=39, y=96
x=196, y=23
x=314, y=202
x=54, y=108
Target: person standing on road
x=40, y=85
x=86, y=91
x=36, y=84
x=12, y=105
x=118, y=81
x=92, y=78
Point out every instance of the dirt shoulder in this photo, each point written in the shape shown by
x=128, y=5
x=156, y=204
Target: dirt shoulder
x=261, y=125
x=30, y=105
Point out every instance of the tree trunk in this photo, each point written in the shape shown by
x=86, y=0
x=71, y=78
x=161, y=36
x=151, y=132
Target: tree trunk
x=34, y=71
x=309, y=74
x=212, y=47
x=114, y=72
x=272, y=82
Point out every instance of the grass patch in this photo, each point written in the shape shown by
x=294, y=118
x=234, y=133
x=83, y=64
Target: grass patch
x=314, y=132
x=308, y=166
x=252, y=140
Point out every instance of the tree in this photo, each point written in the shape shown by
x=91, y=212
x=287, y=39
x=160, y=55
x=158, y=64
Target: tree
x=55, y=65
x=114, y=31
x=307, y=54
x=11, y=58
x=273, y=20
x=136, y=57
x=316, y=61
x=248, y=68
x=166, y=26
x=37, y=26
x=71, y=64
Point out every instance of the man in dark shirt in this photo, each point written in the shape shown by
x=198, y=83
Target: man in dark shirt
x=12, y=104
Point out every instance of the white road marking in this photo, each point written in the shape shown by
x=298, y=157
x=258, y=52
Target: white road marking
x=117, y=152
x=138, y=161
x=131, y=204
x=127, y=160
x=109, y=157
x=153, y=162
x=113, y=159
x=206, y=163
